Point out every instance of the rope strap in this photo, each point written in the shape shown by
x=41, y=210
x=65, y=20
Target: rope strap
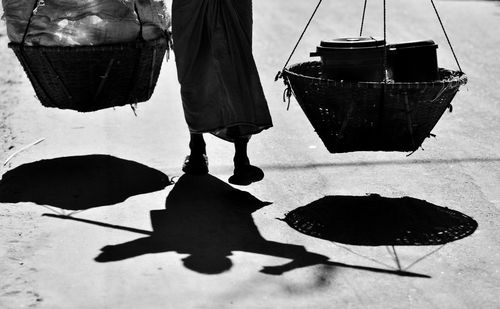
x=446, y=35
x=140, y=36
x=280, y=73
x=35, y=7
x=363, y=19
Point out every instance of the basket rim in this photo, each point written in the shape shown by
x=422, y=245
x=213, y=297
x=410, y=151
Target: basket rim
x=459, y=79
x=161, y=41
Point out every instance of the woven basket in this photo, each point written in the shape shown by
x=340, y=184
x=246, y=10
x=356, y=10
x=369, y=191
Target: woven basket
x=90, y=78
x=371, y=116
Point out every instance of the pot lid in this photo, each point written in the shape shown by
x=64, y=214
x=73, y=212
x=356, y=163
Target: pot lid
x=412, y=44
x=353, y=42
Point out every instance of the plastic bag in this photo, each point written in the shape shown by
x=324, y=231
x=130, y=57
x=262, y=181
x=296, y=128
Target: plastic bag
x=85, y=22
x=154, y=17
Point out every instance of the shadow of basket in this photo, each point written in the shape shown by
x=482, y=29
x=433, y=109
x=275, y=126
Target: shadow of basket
x=379, y=221
x=80, y=182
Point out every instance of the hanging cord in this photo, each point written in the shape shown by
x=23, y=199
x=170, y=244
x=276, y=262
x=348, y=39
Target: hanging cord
x=446, y=35
x=35, y=7
x=140, y=36
x=363, y=19
x=280, y=73
x=381, y=108
x=287, y=93
x=385, y=42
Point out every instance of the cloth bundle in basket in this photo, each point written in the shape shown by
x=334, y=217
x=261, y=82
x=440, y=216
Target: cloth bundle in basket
x=371, y=116
x=84, y=60
x=84, y=22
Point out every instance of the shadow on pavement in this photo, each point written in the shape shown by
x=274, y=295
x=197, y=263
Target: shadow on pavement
x=80, y=182
x=209, y=220
x=374, y=220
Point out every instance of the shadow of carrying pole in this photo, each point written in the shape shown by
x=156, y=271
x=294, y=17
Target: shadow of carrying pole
x=402, y=273
x=101, y=224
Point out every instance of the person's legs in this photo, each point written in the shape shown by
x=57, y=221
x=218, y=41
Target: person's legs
x=197, y=144
x=240, y=151
x=244, y=172
x=197, y=161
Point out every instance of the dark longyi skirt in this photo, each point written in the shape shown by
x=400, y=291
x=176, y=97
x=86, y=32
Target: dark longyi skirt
x=220, y=86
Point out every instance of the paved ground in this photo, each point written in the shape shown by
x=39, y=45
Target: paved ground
x=111, y=258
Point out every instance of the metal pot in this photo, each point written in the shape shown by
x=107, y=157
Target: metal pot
x=413, y=61
x=352, y=59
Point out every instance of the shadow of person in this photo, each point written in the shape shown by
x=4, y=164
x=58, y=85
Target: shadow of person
x=79, y=182
x=209, y=220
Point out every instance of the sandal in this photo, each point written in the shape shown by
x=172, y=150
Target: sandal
x=246, y=175
x=196, y=165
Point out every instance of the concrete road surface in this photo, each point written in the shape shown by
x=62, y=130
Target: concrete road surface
x=136, y=241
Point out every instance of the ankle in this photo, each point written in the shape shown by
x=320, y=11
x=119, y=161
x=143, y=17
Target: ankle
x=241, y=161
x=240, y=152
x=197, y=156
x=197, y=145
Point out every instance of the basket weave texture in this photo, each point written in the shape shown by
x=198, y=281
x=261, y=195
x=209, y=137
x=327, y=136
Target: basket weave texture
x=90, y=78
x=371, y=116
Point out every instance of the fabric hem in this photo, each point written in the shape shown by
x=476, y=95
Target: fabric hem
x=256, y=129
